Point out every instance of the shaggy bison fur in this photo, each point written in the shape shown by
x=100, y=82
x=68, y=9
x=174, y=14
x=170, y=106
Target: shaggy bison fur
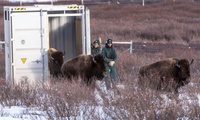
x=166, y=75
x=55, y=61
x=87, y=67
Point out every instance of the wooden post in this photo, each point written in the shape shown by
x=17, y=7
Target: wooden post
x=100, y=42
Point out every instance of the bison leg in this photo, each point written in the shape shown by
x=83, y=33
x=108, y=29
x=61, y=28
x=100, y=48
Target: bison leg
x=161, y=80
x=140, y=81
x=177, y=87
x=108, y=84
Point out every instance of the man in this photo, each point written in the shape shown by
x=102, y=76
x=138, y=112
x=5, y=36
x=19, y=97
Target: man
x=110, y=58
x=96, y=47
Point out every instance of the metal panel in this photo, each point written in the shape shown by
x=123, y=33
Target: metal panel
x=29, y=58
x=59, y=15
x=62, y=35
x=78, y=36
x=67, y=31
x=8, y=54
x=88, y=35
x=46, y=7
x=83, y=33
x=32, y=29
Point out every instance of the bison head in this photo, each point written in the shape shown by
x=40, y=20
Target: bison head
x=57, y=59
x=99, y=69
x=183, y=73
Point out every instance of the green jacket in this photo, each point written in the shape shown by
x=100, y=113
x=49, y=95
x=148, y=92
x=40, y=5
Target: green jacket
x=109, y=54
x=95, y=51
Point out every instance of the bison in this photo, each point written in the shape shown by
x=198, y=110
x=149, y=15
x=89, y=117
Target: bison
x=87, y=67
x=55, y=61
x=166, y=75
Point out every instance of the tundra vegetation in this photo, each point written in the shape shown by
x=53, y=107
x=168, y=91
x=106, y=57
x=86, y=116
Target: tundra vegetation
x=163, y=22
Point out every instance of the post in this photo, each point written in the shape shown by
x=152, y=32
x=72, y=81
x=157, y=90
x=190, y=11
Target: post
x=100, y=42
x=88, y=37
x=142, y=2
x=42, y=43
x=83, y=32
x=131, y=46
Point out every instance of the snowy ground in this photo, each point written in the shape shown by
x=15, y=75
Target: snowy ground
x=28, y=113
x=21, y=113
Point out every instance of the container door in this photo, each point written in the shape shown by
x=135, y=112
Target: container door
x=29, y=47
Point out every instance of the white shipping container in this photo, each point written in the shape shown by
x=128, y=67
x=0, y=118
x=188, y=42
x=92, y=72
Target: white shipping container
x=31, y=30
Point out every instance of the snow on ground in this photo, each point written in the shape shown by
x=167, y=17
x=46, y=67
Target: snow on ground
x=20, y=113
x=26, y=113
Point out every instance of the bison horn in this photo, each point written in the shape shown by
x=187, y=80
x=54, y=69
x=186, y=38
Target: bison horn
x=176, y=64
x=52, y=57
x=94, y=59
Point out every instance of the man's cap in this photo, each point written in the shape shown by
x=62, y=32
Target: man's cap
x=109, y=40
x=96, y=41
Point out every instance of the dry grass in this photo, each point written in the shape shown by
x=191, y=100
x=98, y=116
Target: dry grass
x=172, y=22
x=71, y=100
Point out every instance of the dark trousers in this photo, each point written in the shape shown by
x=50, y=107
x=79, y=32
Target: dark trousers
x=111, y=75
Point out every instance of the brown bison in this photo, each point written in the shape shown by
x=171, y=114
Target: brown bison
x=55, y=61
x=87, y=67
x=166, y=75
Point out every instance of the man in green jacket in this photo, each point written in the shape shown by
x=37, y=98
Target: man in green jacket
x=110, y=58
x=96, y=48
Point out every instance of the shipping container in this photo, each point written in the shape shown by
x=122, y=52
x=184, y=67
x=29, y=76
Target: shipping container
x=30, y=31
